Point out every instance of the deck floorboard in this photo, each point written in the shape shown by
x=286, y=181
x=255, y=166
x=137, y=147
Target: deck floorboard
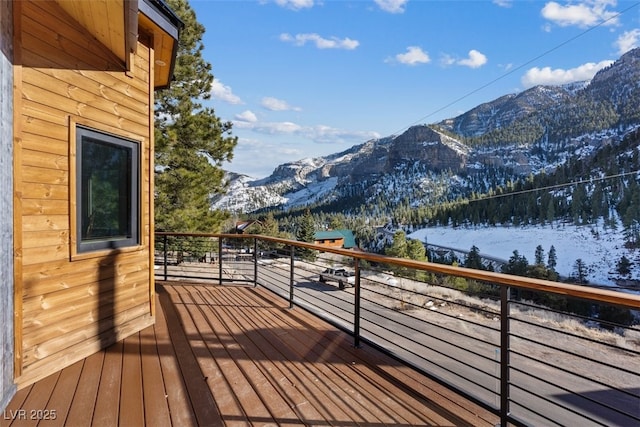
x=238, y=356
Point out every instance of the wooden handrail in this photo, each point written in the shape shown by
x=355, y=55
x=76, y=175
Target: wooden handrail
x=502, y=279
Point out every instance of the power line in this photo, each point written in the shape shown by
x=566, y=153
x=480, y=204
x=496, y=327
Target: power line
x=556, y=186
x=519, y=67
x=512, y=71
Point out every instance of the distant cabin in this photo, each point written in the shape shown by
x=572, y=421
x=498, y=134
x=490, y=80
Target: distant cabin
x=335, y=239
x=77, y=81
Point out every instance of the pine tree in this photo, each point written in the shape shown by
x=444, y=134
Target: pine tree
x=552, y=260
x=398, y=248
x=551, y=210
x=416, y=250
x=539, y=256
x=597, y=203
x=517, y=265
x=624, y=266
x=578, y=202
x=269, y=226
x=580, y=271
x=629, y=208
x=191, y=141
x=473, y=259
x=306, y=233
x=336, y=222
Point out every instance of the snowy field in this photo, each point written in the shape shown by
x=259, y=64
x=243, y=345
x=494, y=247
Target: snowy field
x=599, y=249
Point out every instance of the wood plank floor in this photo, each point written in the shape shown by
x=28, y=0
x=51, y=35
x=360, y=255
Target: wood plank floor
x=237, y=356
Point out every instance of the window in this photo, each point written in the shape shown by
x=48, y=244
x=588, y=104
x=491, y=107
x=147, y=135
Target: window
x=107, y=191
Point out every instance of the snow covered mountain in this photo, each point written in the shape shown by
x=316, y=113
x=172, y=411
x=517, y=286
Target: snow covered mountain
x=515, y=135
x=508, y=109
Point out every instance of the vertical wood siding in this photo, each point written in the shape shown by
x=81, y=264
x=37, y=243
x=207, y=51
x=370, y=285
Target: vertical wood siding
x=71, y=307
x=7, y=388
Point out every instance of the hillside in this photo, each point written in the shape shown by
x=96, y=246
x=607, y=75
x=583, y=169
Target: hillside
x=600, y=249
x=502, y=141
x=548, y=159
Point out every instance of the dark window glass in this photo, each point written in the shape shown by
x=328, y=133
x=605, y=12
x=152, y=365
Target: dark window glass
x=107, y=190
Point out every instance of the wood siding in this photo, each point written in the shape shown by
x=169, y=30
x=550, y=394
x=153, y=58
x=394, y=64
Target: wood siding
x=7, y=387
x=332, y=243
x=74, y=305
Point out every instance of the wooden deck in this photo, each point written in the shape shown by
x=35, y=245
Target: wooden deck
x=236, y=355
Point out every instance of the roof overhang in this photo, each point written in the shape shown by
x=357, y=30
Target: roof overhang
x=157, y=18
x=117, y=23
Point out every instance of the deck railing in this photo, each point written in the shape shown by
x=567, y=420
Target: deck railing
x=532, y=351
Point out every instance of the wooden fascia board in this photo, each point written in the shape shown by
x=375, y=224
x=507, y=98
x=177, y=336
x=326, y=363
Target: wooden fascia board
x=160, y=14
x=165, y=26
x=131, y=30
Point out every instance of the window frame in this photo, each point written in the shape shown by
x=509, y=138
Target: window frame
x=80, y=247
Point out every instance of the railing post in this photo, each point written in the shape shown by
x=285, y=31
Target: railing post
x=505, y=295
x=356, y=305
x=164, y=242
x=291, y=280
x=220, y=261
x=255, y=261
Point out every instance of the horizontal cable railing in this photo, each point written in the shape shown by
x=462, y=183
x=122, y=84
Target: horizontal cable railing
x=532, y=351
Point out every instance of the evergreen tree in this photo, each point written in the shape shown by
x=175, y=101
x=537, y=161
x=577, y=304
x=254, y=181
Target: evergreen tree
x=473, y=259
x=551, y=211
x=578, y=202
x=398, y=248
x=624, y=266
x=597, y=203
x=629, y=209
x=191, y=142
x=552, y=260
x=269, y=226
x=306, y=233
x=517, y=265
x=539, y=256
x=336, y=222
x=580, y=271
x=416, y=250
x=306, y=228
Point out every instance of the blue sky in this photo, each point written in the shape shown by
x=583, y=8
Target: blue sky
x=306, y=78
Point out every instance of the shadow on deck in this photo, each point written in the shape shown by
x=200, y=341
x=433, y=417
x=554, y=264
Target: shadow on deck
x=237, y=355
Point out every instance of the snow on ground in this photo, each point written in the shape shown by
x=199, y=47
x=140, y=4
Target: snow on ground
x=599, y=249
x=311, y=192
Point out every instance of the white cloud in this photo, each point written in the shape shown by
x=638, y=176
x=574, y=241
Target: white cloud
x=224, y=93
x=628, y=40
x=547, y=76
x=506, y=67
x=270, y=128
x=277, y=128
x=320, y=42
x=327, y=134
x=295, y=4
x=270, y=153
x=447, y=60
x=247, y=116
x=414, y=56
x=584, y=14
x=475, y=59
x=319, y=133
x=275, y=104
x=392, y=6
x=503, y=3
